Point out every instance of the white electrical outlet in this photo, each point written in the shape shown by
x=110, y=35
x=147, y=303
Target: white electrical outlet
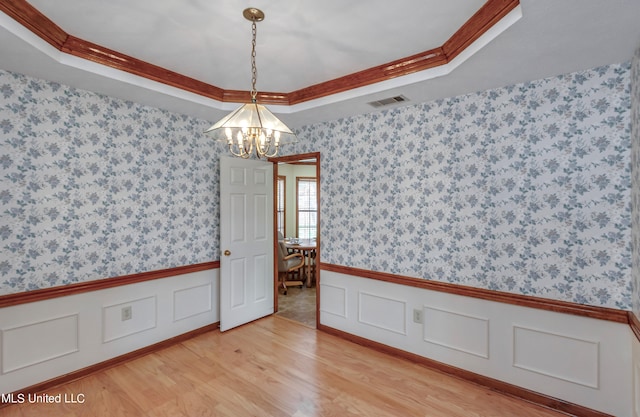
x=127, y=314
x=417, y=315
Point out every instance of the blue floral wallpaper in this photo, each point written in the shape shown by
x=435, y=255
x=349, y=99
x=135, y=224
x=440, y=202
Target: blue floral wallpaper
x=524, y=189
x=95, y=187
x=635, y=167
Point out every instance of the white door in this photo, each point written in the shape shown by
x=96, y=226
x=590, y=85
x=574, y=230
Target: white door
x=246, y=241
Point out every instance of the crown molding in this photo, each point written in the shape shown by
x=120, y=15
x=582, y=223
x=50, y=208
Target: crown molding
x=483, y=20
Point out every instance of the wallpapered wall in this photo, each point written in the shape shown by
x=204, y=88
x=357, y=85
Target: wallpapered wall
x=524, y=189
x=95, y=187
x=635, y=167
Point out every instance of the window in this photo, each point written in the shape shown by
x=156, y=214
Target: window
x=307, y=210
x=281, y=212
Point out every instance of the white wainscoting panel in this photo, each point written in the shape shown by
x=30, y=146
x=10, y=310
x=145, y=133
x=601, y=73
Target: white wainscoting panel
x=49, y=338
x=333, y=300
x=577, y=359
x=558, y=356
x=37, y=342
x=143, y=317
x=382, y=312
x=189, y=302
x=457, y=331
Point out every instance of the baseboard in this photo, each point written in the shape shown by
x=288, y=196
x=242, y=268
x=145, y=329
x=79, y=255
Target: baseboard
x=493, y=384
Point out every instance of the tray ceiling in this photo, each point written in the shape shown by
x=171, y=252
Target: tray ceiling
x=315, y=61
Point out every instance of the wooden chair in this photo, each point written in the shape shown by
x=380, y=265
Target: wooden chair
x=312, y=261
x=287, y=265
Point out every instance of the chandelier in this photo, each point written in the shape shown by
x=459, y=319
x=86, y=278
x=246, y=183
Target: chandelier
x=252, y=127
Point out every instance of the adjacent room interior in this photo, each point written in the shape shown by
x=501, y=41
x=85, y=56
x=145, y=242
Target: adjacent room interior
x=297, y=217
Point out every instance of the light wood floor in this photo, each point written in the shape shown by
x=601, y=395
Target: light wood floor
x=275, y=367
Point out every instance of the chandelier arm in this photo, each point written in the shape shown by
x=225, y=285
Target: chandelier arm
x=270, y=143
x=274, y=153
x=232, y=151
x=242, y=152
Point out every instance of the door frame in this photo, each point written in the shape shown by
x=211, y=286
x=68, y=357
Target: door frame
x=290, y=159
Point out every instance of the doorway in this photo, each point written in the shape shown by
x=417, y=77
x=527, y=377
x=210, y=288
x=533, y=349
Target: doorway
x=297, y=215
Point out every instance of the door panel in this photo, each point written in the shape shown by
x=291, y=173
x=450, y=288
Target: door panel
x=264, y=217
x=260, y=290
x=246, y=241
x=238, y=210
x=238, y=283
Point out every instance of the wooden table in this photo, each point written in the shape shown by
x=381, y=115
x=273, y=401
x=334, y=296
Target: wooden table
x=307, y=247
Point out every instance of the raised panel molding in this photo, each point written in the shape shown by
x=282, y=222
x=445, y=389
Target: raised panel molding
x=334, y=300
x=453, y=330
x=238, y=176
x=238, y=205
x=189, y=302
x=260, y=290
x=259, y=176
x=261, y=215
x=557, y=356
x=37, y=342
x=238, y=283
x=144, y=317
x=382, y=312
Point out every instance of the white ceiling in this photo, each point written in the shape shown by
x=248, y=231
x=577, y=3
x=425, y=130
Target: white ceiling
x=304, y=43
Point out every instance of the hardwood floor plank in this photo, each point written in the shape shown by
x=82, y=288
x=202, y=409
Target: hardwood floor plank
x=103, y=395
x=275, y=368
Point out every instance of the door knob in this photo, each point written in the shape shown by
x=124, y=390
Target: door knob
x=227, y=252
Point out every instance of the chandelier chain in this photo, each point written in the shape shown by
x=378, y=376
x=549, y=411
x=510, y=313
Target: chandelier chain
x=252, y=130
x=254, y=70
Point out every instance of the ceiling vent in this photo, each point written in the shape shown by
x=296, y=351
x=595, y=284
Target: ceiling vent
x=388, y=101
